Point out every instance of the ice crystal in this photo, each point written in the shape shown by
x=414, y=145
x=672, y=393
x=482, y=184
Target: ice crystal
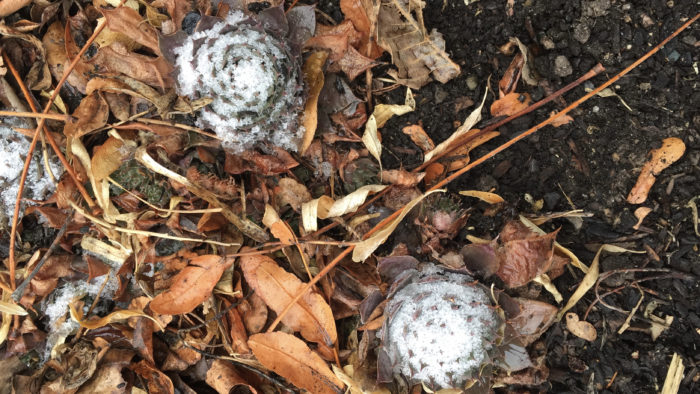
x=440, y=329
x=251, y=75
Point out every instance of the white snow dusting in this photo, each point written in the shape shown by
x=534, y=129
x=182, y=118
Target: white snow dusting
x=13, y=151
x=440, y=330
x=238, y=67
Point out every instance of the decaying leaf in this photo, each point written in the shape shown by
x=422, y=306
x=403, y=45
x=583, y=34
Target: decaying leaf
x=580, y=328
x=113, y=317
x=91, y=114
x=670, y=151
x=289, y=357
x=192, y=285
x=419, y=137
x=109, y=156
x=128, y=22
x=311, y=315
x=417, y=53
x=8, y=7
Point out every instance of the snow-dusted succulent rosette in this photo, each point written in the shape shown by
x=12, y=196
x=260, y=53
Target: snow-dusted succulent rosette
x=249, y=65
x=440, y=329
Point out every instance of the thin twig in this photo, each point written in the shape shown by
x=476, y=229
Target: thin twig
x=52, y=116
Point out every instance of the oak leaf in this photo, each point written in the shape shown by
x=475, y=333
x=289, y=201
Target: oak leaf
x=192, y=285
x=289, y=357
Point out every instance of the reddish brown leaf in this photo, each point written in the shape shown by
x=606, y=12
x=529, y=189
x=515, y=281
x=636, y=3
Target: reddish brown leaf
x=510, y=103
x=289, y=357
x=533, y=318
x=108, y=157
x=419, y=137
x=523, y=254
x=177, y=9
x=254, y=313
x=311, y=315
x=362, y=19
x=154, y=71
x=402, y=177
x=192, y=285
x=671, y=150
x=91, y=114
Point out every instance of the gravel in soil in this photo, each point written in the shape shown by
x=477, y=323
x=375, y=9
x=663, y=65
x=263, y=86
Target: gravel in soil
x=591, y=163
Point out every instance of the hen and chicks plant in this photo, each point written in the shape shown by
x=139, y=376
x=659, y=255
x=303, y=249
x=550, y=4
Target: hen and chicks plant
x=249, y=67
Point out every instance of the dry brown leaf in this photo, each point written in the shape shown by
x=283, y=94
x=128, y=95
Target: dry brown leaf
x=419, y=137
x=57, y=59
x=510, y=104
x=313, y=76
x=177, y=9
x=128, y=22
x=353, y=63
x=191, y=286
x=640, y=213
x=109, y=156
x=291, y=192
x=402, y=177
x=311, y=315
x=157, y=382
x=670, y=151
x=560, y=119
x=91, y=114
x=113, y=317
x=223, y=378
x=433, y=172
x=277, y=226
x=289, y=357
x=491, y=198
x=580, y=328
x=363, y=16
x=532, y=319
x=523, y=256
x=417, y=53
x=8, y=7
x=154, y=71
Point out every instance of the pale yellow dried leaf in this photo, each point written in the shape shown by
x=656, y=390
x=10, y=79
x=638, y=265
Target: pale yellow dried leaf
x=365, y=248
x=371, y=139
x=381, y=114
x=591, y=277
x=473, y=118
x=640, y=213
x=12, y=309
x=674, y=376
x=491, y=198
x=325, y=207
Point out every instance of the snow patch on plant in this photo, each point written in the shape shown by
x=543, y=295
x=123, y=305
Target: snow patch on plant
x=13, y=151
x=252, y=77
x=440, y=329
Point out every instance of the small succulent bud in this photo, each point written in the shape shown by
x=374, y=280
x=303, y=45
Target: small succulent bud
x=440, y=328
x=251, y=73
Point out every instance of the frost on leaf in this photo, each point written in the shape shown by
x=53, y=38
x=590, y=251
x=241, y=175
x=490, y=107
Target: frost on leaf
x=249, y=70
x=415, y=52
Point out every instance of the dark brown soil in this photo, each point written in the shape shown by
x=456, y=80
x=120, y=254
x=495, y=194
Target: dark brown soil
x=594, y=160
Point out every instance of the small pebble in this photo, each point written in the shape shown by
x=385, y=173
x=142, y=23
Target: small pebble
x=674, y=56
x=547, y=43
x=596, y=109
x=472, y=82
x=582, y=33
x=647, y=22
x=562, y=66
